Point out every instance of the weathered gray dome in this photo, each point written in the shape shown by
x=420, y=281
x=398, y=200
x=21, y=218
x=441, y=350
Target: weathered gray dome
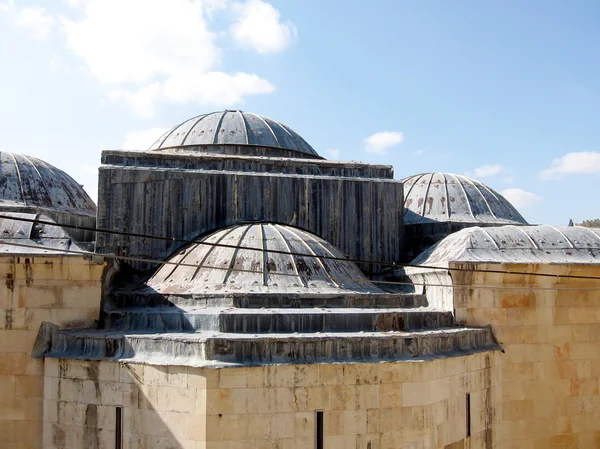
x=444, y=197
x=28, y=182
x=233, y=128
x=207, y=269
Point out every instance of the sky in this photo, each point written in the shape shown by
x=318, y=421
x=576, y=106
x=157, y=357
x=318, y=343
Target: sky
x=505, y=92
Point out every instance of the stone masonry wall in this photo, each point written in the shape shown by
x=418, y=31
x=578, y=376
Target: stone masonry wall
x=408, y=404
x=551, y=368
x=62, y=290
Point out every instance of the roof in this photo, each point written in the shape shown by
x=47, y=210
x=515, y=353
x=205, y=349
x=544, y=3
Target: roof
x=26, y=181
x=246, y=264
x=233, y=128
x=517, y=244
x=444, y=197
x=25, y=237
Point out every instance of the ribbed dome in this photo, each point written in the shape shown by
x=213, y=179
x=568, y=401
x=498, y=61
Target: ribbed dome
x=444, y=197
x=210, y=269
x=233, y=128
x=26, y=181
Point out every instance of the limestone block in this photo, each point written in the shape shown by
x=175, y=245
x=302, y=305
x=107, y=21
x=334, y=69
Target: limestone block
x=354, y=422
x=331, y=374
x=361, y=374
x=81, y=296
x=282, y=425
x=415, y=394
x=259, y=426
x=305, y=424
x=368, y=396
x=44, y=296
x=390, y=395
x=398, y=372
x=174, y=399
x=196, y=426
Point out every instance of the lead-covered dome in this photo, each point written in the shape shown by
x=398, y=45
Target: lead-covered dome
x=234, y=128
x=254, y=258
x=444, y=197
x=29, y=182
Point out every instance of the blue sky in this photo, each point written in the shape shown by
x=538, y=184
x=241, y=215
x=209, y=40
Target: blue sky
x=506, y=92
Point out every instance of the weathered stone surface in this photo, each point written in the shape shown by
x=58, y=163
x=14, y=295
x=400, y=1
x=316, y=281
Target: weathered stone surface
x=361, y=217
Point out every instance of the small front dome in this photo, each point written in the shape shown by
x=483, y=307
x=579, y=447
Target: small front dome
x=28, y=182
x=246, y=263
x=444, y=197
x=234, y=128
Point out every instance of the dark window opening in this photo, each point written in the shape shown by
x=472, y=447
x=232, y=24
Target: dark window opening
x=319, y=430
x=119, y=428
x=468, y=415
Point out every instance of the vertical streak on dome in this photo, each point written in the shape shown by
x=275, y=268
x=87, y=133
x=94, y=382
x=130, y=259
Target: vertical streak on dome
x=532, y=241
x=412, y=185
x=294, y=264
x=200, y=117
x=427, y=194
x=563, y=235
x=269, y=128
x=465, y=193
x=211, y=247
x=20, y=180
x=311, y=251
x=447, y=196
x=490, y=237
x=245, y=126
x=215, y=138
x=165, y=136
x=265, y=257
x=298, y=138
x=482, y=196
x=324, y=265
x=39, y=175
x=234, y=254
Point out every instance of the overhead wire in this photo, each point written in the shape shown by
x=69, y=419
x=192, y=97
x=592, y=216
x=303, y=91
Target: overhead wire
x=365, y=281
x=290, y=253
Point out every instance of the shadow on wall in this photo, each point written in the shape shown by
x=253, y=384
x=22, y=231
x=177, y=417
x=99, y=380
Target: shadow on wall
x=97, y=405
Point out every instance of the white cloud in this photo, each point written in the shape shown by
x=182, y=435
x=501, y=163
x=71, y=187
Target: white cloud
x=35, y=19
x=489, y=170
x=571, y=163
x=333, y=154
x=380, y=142
x=259, y=28
x=521, y=198
x=152, y=52
x=418, y=153
x=142, y=139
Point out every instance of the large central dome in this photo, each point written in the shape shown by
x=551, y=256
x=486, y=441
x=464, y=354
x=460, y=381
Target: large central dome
x=234, y=128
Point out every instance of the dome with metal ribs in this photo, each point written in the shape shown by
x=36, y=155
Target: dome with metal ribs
x=444, y=197
x=28, y=182
x=233, y=128
x=260, y=258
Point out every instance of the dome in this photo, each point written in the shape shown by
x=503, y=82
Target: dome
x=246, y=264
x=516, y=244
x=444, y=197
x=27, y=182
x=234, y=128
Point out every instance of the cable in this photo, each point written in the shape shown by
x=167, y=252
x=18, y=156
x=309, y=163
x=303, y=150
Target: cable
x=291, y=253
x=278, y=273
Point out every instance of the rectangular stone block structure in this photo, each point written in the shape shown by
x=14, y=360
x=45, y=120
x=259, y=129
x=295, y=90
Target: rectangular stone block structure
x=54, y=288
x=357, y=207
x=407, y=404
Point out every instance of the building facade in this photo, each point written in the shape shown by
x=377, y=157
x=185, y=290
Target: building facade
x=244, y=292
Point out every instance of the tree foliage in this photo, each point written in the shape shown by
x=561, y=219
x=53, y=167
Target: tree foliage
x=595, y=223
